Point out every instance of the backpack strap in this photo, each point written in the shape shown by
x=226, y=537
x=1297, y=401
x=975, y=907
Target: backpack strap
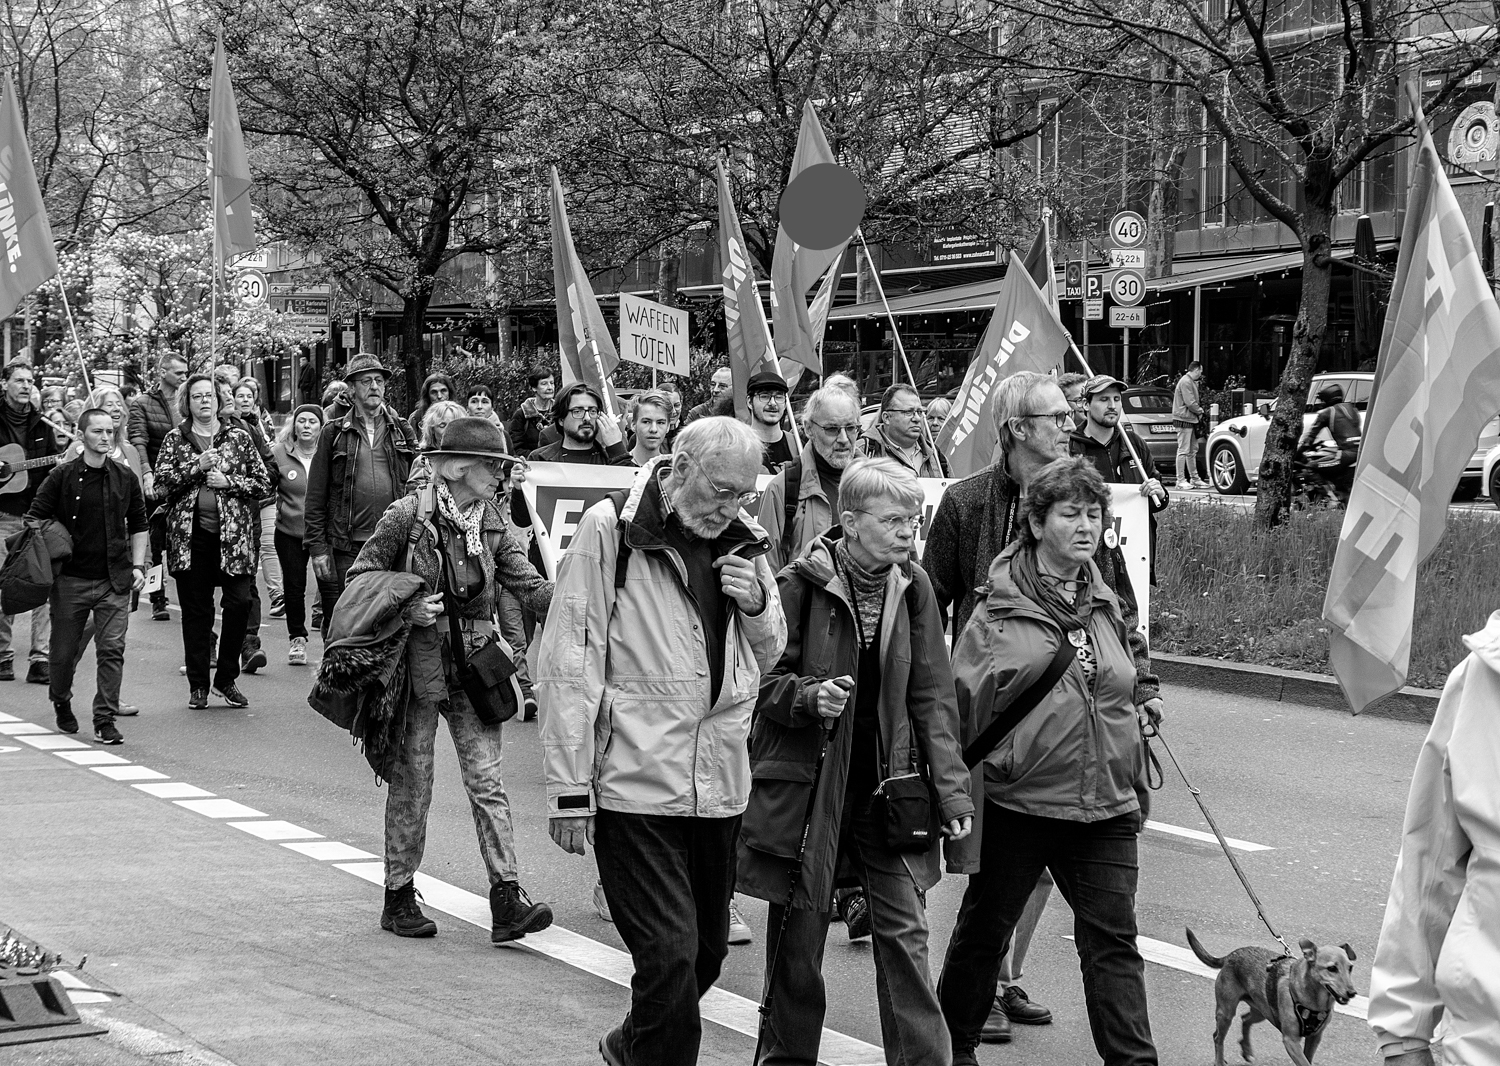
x=622, y=554
x=793, y=493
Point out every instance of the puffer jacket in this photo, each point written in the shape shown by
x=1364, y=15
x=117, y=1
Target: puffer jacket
x=918, y=726
x=1079, y=753
x=622, y=678
x=178, y=479
x=1435, y=979
x=812, y=518
x=151, y=419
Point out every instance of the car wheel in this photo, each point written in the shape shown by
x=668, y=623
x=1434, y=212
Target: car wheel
x=1495, y=486
x=1468, y=489
x=1228, y=472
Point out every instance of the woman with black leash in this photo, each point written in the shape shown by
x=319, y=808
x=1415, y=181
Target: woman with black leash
x=856, y=772
x=1046, y=657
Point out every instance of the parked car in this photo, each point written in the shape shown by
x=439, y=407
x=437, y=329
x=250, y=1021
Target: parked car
x=1479, y=476
x=1236, y=445
x=1490, y=470
x=1148, y=412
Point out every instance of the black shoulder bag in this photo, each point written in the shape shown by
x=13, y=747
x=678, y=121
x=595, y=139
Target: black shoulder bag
x=1023, y=705
x=488, y=675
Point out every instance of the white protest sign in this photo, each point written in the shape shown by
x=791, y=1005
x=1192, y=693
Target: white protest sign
x=558, y=494
x=653, y=334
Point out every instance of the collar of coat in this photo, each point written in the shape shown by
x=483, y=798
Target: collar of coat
x=348, y=421
x=1005, y=599
x=646, y=510
x=816, y=565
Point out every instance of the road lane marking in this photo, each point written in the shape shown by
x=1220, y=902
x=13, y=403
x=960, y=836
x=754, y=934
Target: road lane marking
x=219, y=808
x=51, y=742
x=173, y=790
x=1198, y=834
x=129, y=773
x=8, y=718
x=329, y=850
x=718, y=1005
x=1180, y=958
x=271, y=829
x=16, y=729
x=92, y=758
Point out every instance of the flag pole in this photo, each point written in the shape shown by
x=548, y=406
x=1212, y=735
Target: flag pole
x=213, y=305
x=924, y=430
x=62, y=288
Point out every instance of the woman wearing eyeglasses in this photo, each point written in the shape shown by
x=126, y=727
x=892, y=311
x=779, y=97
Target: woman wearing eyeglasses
x=866, y=672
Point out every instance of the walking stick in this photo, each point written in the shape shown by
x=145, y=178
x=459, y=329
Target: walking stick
x=829, y=725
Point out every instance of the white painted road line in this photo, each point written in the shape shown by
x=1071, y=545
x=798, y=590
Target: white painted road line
x=129, y=773
x=1198, y=834
x=329, y=850
x=220, y=808
x=724, y=1008
x=51, y=742
x=92, y=758
x=18, y=728
x=1181, y=958
x=271, y=829
x=174, y=790
x=8, y=718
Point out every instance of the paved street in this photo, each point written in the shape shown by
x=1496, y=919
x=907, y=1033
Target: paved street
x=268, y=951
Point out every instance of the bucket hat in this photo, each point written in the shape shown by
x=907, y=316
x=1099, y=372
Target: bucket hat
x=363, y=363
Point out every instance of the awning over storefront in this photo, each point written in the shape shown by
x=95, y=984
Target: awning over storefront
x=981, y=295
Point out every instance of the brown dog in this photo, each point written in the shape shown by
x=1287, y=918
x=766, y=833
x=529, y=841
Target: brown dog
x=1294, y=995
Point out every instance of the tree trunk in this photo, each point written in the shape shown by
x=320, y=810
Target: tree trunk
x=668, y=273
x=413, y=325
x=1275, y=488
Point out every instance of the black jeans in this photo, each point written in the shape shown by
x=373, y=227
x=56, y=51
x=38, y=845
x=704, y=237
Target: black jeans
x=195, y=593
x=330, y=591
x=294, y=562
x=668, y=881
x=1095, y=867
x=74, y=600
x=158, y=538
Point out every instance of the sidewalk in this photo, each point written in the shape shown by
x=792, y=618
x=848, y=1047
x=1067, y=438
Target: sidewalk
x=239, y=950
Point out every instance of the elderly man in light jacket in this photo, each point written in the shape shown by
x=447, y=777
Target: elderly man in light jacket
x=665, y=614
x=1435, y=988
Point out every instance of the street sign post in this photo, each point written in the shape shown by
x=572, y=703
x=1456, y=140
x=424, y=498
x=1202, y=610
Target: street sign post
x=250, y=288
x=1127, y=287
x=1127, y=229
x=1127, y=317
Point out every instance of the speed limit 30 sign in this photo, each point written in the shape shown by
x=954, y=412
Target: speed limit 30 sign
x=250, y=288
x=1127, y=287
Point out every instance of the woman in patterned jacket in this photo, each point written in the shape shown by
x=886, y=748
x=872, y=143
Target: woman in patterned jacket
x=212, y=480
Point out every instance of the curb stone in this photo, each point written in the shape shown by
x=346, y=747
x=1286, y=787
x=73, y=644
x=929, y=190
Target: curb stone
x=1289, y=686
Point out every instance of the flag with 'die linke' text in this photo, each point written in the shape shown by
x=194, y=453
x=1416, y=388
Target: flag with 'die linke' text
x=30, y=258
x=1437, y=382
x=1023, y=334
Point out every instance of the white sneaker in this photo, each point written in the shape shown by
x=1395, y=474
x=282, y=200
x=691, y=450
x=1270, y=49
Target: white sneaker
x=296, y=655
x=739, y=929
x=600, y=903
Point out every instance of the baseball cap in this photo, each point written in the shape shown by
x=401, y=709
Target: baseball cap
x=1098, y=383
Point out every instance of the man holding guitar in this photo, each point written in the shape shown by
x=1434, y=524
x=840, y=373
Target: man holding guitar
x=24, y=435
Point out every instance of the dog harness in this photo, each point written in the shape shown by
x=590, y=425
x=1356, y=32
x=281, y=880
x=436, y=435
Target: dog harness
x=1309, y=1021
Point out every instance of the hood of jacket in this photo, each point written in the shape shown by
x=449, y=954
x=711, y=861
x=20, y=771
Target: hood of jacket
x=643, y=519
x=1005, y=598
x=1485, y=644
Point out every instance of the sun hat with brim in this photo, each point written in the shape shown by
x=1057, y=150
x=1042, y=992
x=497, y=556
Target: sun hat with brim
x=473, y=436
x=1099, y=382
x=363, y=364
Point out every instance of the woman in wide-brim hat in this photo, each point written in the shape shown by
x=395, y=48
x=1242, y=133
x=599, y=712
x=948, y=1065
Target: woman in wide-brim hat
x=463, y=546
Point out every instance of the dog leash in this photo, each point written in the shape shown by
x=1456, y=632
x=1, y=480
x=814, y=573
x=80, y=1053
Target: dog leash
x=1153, y=732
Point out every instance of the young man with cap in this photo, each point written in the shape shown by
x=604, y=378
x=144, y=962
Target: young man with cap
x=898, y=433
x=359, y=470
x=767, y=393
x=1101, y=439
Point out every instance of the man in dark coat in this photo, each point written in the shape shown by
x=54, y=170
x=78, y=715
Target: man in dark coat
x=23, y=426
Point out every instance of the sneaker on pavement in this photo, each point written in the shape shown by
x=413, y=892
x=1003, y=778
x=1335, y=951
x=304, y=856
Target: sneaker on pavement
x=63, y=709
x=855, y=910
x=198, y=699
x=232, y=695
x=127, y=710
x=38, y=673
x=996, y=1027
x=601, y=904
x=278, y=606
x=1018, y=1007
x=739, y=929
x=612, y=1047
x=253, y=661
x=296, y=654
x=402, y=916
x=513, y=915
x=106, y=733
x=7, y=671
x=529, y=714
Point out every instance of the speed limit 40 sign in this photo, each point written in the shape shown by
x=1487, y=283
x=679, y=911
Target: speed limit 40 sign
x=250, y=288
x=1128, y=287
x=1127, y=229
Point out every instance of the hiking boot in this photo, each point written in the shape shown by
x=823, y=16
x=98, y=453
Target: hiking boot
x=601, y=903
x=296, y=654
x=996, y=1027
x=252, y=660
x=1019, y=1008
x=964, y=1056
x=159, y=612
x=739, y=929
x=65, y=720
x=198, y=699
x=106, y=733
x=232, y=695
x=7, y=671
x=38, y=673
x=612, y=1047
x=402, y=916
x=278, y=606
x=855, y=910
x=512, y=913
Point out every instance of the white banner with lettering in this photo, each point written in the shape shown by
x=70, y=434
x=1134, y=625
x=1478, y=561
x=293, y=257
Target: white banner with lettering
x=559, y=493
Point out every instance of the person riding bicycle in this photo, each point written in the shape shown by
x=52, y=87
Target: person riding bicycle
x=1334, y=463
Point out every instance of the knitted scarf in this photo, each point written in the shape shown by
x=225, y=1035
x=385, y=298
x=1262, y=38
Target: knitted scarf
x=866, y=589
x=1045, y=591
x=469, y=519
